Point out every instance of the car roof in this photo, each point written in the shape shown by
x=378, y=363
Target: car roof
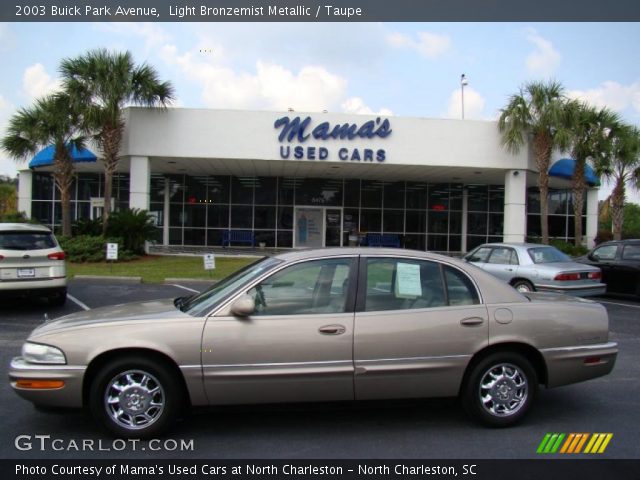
x=23, y=227
x=342, y=251
x=514, y=244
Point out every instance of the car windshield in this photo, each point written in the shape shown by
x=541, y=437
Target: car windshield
x=547, y=255
x=26, y=240
x=204, y=302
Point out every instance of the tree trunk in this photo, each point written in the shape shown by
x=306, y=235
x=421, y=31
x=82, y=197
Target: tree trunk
x=63, y=176
x=579, y=187
x=617, y=210
x=111, y=138
x=542, y=153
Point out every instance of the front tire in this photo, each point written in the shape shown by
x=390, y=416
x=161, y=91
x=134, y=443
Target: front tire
x=500, y=389
x=135, y=397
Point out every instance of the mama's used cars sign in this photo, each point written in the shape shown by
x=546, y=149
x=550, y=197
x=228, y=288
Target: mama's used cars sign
x=299, y=130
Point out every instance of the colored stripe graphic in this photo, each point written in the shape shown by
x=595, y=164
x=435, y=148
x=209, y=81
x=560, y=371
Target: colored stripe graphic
x=575, y=442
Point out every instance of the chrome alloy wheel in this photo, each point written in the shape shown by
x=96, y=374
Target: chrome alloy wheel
x=503, y=390
x=134, y=399
x=523, y=288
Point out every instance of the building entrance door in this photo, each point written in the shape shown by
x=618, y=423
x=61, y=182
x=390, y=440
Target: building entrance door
x=317, y=227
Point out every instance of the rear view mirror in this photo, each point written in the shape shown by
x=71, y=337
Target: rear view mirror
x=243, y=306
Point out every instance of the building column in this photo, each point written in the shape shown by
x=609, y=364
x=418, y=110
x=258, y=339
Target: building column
x=515, y=209
x=465, y=213
x=167, y=206
x=139, y=181
x=25, y=191
x=592, y=217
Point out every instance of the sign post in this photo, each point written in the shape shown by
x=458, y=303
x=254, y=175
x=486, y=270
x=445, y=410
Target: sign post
x=209, y=262
x=112, y=254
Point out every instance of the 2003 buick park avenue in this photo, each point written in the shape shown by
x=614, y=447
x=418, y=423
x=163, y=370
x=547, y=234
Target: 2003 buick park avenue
x=323, y=325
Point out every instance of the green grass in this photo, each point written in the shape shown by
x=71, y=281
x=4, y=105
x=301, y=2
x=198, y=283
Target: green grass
x=154, y=269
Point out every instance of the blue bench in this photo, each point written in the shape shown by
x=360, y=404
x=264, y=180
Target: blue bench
x=238, y=236
x=383, y=240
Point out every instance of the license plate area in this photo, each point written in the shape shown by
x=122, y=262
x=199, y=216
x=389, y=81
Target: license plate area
x=26, y=272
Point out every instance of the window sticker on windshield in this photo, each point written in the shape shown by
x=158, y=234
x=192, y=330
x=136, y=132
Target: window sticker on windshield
x=408, y=284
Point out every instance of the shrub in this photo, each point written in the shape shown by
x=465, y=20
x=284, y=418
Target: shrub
x=569, y=248
x=87, y=248
x=134, y=226
x=86, y=226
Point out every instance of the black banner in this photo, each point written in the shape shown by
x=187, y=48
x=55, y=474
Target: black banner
x=330, y=469
x=318, y=10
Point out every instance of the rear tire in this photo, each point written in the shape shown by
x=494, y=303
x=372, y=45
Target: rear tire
x=523, y=286
x=59, y=298
x=135, y=397
x=500, y=389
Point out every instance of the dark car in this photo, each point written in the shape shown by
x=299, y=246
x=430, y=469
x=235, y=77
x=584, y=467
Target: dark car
x=620, y=265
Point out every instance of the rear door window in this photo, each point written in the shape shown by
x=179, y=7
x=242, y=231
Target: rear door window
x=26, y=240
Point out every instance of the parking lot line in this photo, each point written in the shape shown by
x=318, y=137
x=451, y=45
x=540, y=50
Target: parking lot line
x=184, y=288
x=620, y=304
x=78, y=302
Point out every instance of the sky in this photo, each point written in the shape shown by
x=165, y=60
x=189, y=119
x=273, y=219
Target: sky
x=401, y=69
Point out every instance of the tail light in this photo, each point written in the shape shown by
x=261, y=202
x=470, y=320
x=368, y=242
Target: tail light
x=1, y=257
x=56, y=256
x=565, y=277
x=595, y=275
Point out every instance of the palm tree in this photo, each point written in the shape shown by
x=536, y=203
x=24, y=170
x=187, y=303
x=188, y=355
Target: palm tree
x=622, y=167
x=104, y=83
x=51, y=121
x=536, y=115
x=590, y=140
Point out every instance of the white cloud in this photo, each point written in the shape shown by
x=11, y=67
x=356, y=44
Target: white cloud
x=7, y=164
x=473, y=104
x=429, y=45
x=152, y=34
x=611, y=94
x=36, y=82
x=357, y=106
x=270, y=86
x=545, y=59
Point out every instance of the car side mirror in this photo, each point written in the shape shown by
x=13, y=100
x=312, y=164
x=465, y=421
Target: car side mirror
x=243, y=306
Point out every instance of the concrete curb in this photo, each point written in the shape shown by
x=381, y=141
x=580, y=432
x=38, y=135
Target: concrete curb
x=107, y=278
x=190, y=280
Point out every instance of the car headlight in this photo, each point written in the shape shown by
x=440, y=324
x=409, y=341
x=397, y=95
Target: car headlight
x=39, y=353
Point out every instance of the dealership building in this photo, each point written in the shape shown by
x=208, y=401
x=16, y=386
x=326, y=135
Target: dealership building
x=300, y=180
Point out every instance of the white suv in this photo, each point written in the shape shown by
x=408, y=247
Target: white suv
x=32, y=262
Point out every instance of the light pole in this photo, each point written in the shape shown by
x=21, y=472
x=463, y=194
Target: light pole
x=463, y=83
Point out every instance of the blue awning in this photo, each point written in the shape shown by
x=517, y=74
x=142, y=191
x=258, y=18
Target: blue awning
x=44, y=158
x=564, y=168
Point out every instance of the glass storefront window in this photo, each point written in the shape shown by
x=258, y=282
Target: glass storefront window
x=477, y=198
x=393, y=221
x=194, y=236
x=89, y=185
x=242, y=190
x=286, y=190
x=416, y=221
x=241, y=216
x=371, y=194
x=370, y=220
x=195, y=190
x=266, y=191
x=476, y=224
x=438, y=222
x=217, y=216
x=352, y=193
x=284, y=238
x=42, y=186
x=218, y=189
x=416, y=195
x=394, y=195
x=318, y=191
x=265, y=217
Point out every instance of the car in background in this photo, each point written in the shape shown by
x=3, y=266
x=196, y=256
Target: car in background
x=338, y=324
x=531, y=267
x=32, y=263
x=620, y=264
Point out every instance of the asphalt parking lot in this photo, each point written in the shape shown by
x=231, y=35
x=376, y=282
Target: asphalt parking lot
x=393, y=429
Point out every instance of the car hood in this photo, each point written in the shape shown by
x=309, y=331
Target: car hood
x=154, y=310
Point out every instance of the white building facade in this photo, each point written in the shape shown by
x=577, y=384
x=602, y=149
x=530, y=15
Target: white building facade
x=300, y=180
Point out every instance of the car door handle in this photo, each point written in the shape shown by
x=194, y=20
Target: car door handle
x=472, y=321
x=332, y=330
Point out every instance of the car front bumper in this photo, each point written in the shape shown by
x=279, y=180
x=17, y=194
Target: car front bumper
x=68, y=395
x=568, y=365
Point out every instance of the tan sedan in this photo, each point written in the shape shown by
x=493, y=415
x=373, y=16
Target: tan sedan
x=333, y=324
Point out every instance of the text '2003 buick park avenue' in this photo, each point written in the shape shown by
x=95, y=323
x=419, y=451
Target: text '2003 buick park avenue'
x=324, y=325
